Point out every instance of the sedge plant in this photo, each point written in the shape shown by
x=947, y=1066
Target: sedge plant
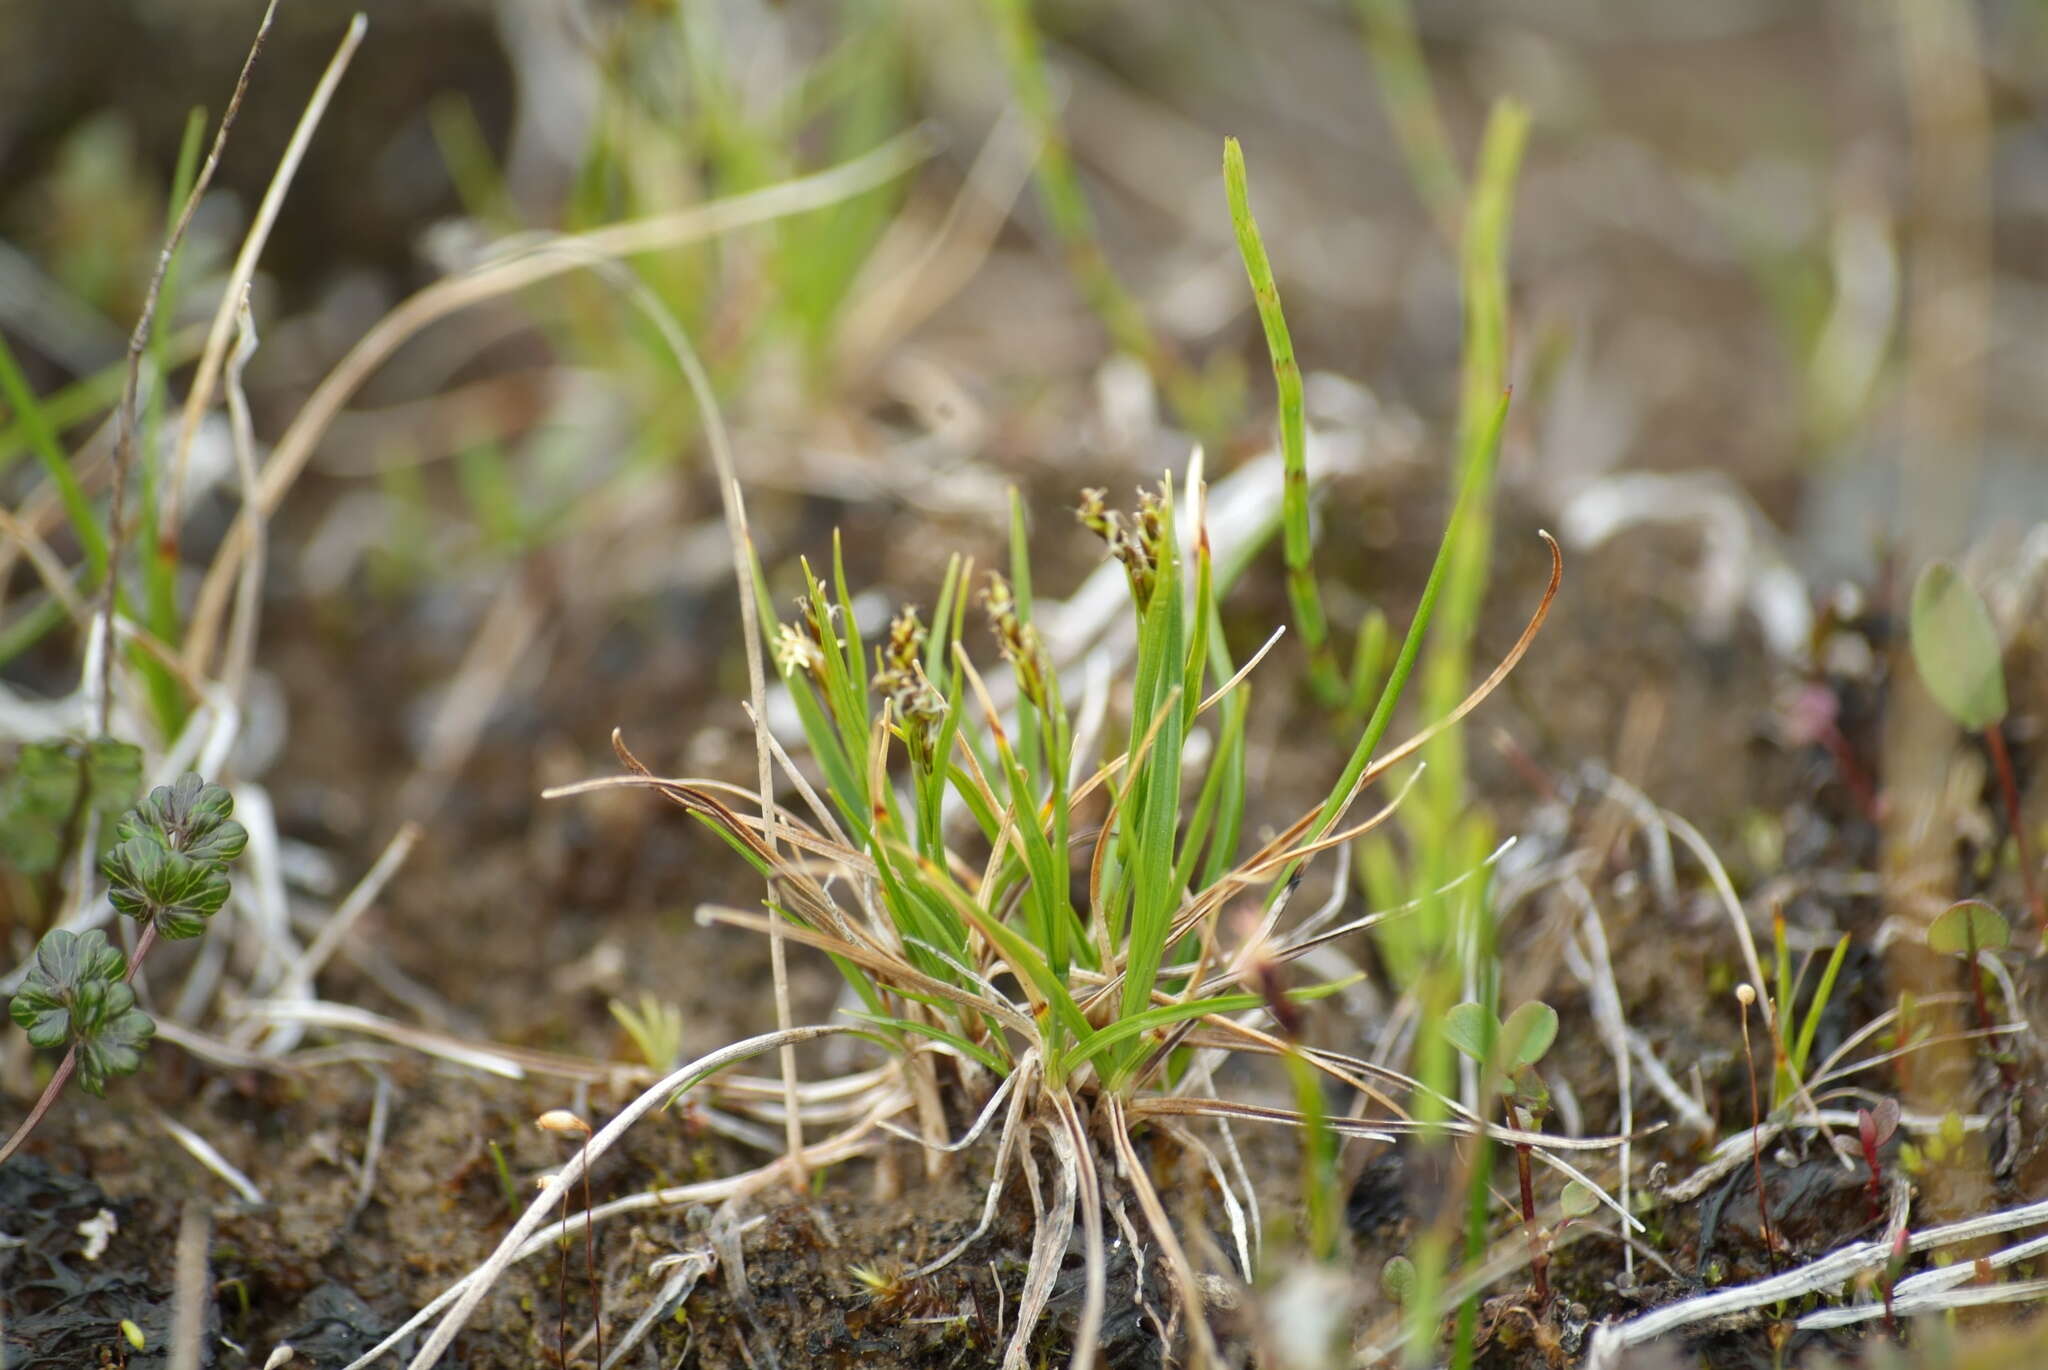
x=1059, y=921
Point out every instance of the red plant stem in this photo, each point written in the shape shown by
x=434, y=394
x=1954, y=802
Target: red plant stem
x=1756, y=1149
x=62, y=1075
x=2008, y=1074
x=1539, y=1255
x=590, y=1252
x=1859, y=784
x=2001, y=761
x=1871, y=1188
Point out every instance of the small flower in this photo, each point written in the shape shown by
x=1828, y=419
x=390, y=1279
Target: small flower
x=1138, y=542
x=900, y=678
x=1017, y=640
x=796, y=650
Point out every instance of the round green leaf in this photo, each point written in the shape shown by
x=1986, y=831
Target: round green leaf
x=1578, y=1200
x=1956, y=648
x=1971, y=924
x=1469, y=1026
x=1527, y=1034
x=1397, y=1279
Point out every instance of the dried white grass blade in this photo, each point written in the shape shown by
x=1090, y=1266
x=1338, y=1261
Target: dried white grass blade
x=297, y=983
x=1829, y=1272
x=240, y=656
x=347, y=1018
x=1077, y=1158
x=373, y=1143
x=1930, y=1301
x=828, y=1152
x=210, y=360
x=203, y=1152
x=973, y=1134
x=687, y=1269
x=999, y=1172
x=188, y=1318
x=550, y=258
x=1185, y=1284
x=1050, y=1233
x=573, y=1170
x=1233, y=1208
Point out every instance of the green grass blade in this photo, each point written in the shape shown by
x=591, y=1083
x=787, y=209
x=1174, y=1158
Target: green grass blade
x=973, y=1050
x=1302, y=594
x=42, y=440
x=1803, y=1048
x=1411, y=107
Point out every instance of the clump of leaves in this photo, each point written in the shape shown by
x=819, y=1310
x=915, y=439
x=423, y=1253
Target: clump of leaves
x=1508, y=1053
x=167, y=871
x=1955, y=647
x=76, y=995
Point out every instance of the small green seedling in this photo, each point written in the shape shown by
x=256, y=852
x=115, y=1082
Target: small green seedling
x=656, y=1028
x=1510, y=1051
x=1955, y=646
x=1397, y=1279
x=1964, y=929
x=1792, y=1037
x=167, y=871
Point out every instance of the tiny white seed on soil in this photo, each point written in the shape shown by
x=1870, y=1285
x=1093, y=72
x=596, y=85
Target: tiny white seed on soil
x=560, y=1120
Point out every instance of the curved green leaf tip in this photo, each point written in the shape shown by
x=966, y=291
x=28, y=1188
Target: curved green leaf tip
x=1956, y=648
x=1971, y=925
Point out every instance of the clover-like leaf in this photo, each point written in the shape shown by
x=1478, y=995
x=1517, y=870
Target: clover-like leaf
x=1471, y=1028
x=1526, y=1035
x=1971, y=925
x=189, y=816
x=1956, y=648
x=1578, y=1199
x=74, y=994
x=116, y=1049
x=173, y=889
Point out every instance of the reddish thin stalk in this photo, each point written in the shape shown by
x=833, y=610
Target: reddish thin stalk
x=2008, y=1074
x=1539, y=1254
x=2001, y=761
x=1756, y=1150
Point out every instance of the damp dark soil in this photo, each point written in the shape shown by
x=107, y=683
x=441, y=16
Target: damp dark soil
x=517, y=921
x=520, y=919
